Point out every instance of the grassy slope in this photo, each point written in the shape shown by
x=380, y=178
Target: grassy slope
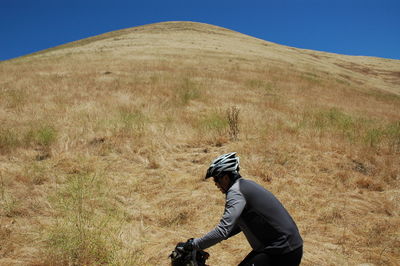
x=104, y=142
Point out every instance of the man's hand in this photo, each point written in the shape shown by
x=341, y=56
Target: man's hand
x=188, y=246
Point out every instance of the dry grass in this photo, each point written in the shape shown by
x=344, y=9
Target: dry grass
x=103, y=144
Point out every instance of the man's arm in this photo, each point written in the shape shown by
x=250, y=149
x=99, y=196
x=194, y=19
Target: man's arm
x=227, y=227
x=236, y=230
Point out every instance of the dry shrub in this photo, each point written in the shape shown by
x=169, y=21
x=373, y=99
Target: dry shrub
x=369, y=183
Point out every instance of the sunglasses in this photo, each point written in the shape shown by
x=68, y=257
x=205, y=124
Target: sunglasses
x=216, y=179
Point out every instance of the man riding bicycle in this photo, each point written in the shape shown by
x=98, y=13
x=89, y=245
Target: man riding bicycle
x=253, y=210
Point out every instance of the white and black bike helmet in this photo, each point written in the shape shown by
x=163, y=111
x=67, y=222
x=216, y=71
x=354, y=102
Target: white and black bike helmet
x=226, y=163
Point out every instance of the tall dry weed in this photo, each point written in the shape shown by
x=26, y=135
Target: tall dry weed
x=87, y=225
x=233, y=120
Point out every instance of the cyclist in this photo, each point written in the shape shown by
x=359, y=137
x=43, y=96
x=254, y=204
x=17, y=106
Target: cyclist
x=253, y=210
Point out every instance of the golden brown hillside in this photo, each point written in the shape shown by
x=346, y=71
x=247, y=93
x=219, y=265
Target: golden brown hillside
x=104, y=143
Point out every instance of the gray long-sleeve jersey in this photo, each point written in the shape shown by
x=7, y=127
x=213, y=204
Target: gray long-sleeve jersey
x=256, y=212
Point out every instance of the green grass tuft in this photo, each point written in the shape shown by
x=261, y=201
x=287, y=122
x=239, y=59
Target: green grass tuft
x=188, y=91
x=45, y=135
x=392, y=132
x=215, y=122
x=373, y=137
x=335, y=120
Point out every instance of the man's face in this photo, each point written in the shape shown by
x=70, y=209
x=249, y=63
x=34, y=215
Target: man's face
x=222, y=183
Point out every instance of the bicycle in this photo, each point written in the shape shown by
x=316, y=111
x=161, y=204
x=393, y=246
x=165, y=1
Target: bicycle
x=182, y=257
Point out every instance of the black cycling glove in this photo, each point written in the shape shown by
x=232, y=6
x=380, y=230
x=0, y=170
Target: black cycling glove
x=188, y=246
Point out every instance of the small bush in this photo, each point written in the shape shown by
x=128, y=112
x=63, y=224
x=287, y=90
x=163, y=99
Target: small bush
x=45, y=135
x=132, y=122
x=188, y=91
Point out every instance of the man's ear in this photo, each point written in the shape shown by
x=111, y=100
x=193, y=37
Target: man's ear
x=226, y=178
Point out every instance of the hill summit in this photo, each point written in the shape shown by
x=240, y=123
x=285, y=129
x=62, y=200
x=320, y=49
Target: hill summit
x=196, y=40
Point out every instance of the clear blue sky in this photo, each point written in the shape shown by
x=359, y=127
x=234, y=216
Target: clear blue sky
x=353, y=27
